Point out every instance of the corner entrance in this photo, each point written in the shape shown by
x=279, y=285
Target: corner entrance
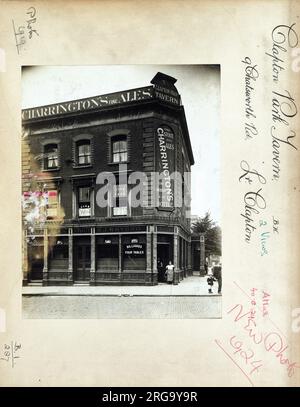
x=164, y=255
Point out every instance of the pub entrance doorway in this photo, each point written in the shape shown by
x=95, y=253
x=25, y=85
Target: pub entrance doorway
x=82, y=260
x=164, y=255
x=36, y=261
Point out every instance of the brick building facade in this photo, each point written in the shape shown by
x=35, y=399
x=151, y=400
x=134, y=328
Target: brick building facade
x=68, y=237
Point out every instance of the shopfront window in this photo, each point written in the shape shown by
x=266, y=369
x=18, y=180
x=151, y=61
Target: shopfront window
x=59, y=251
x=108, y=255
x=134, y=254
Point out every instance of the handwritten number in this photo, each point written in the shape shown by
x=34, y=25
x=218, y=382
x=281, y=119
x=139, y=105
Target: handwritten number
x=257, y=364
x=237, y=345
x=246, y=356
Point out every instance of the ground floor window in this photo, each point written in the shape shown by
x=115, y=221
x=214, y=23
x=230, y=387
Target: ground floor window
x=58, y=257
x=134, y=253
x=107, y=256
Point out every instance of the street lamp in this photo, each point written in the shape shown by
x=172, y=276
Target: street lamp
x=202, y=254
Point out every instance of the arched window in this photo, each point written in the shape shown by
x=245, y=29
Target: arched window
x=83, y=149
x=50, y=156
x=119, y=149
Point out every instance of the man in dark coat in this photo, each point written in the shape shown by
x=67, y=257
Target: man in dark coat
x=217, y=273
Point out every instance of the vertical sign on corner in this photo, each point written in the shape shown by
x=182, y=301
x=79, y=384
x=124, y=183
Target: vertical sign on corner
x=165, y=166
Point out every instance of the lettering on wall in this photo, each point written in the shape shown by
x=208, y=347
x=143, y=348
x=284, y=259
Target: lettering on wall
x=165, y=166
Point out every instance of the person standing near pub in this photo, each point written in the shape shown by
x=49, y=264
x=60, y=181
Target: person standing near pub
x=160, y=270
x=170, y=272
x=217, y=273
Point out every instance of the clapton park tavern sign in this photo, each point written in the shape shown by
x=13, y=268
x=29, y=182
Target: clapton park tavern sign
x=163, y=90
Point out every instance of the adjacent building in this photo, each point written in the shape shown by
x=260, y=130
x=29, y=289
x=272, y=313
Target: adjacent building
x=70, y=151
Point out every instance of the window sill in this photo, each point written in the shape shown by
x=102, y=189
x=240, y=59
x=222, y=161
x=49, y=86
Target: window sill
x=117, y=217
x=82, y=166
x=50, y=169
x=118, y=163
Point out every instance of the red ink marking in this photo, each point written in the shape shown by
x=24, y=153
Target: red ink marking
x=257, y=338
x=273, y=323
x=272, y=341
x=244, y=373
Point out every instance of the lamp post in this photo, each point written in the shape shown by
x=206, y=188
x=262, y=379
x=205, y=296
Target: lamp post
x=202, y=254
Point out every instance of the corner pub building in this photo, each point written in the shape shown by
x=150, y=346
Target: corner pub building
x=68, y=238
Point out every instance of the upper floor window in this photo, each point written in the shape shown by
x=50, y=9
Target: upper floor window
x=51, y=156
x=120, y=207
x=83, y=152
x=119, y=149
x=52, y=203
x=84, y=201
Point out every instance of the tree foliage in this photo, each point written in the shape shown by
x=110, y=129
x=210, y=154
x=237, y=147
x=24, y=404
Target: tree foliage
x=212, y=232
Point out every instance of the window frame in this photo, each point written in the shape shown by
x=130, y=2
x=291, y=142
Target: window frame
x=50, y=206
x=83, y=139
x=126, y=196
x=45, y=165
x=120, y=151
x=115, y=136
x=83, y=143
x=84, y=202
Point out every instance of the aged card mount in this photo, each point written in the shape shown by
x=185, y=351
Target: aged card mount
x=257, y=338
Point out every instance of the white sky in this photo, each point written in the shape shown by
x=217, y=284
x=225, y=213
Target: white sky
x=198, y=85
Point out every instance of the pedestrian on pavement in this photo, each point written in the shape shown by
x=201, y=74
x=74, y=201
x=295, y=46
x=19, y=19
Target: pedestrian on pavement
x=210, y=282
x=217, y=272
x=160, y=269
x=170, y=272
x=205, y=268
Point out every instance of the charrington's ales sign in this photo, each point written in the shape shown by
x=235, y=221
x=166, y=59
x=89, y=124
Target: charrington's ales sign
x=96, y=102
x=165, y=165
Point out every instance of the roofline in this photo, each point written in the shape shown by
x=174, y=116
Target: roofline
x=125, y=105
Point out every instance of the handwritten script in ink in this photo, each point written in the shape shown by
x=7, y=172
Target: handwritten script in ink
x=261, y=227
x=283, y=105
x=254, y=201
x=10, y=353
x=254, y=340
x=251, y=75
x=27, y=30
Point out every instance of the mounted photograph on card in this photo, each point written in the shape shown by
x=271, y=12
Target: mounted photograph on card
x=121, y=191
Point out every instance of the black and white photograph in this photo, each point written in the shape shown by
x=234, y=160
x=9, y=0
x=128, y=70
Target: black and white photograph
x=121, y=191
x=150, y=197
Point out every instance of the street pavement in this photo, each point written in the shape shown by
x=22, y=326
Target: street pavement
x=193, y=285
x=189, y=299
